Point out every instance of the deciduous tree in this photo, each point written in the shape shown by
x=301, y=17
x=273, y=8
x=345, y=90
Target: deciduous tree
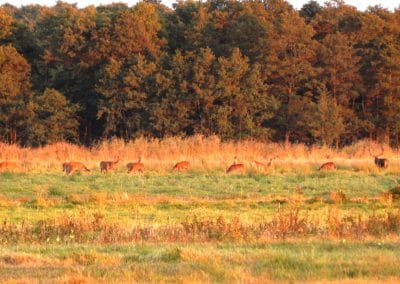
x=55, y=119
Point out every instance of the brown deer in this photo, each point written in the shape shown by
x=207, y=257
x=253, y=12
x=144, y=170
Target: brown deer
x=182, y=165
x=327, y=166
x=379, y=162
x=137, y=167
x=9, y=166
x=235, y=167
x=65, y=166
x=106, y=166
x=71, y=167
x=260, y=165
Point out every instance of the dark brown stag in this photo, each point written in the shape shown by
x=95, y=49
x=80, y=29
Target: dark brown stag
x=106, y=166
x=379, y=162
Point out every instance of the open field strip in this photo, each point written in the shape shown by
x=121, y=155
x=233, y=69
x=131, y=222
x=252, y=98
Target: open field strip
x=172, y=198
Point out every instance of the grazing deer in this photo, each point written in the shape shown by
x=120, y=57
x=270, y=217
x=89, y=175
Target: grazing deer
x=65, y=166
x=328, y=166
x=9, y=166
x=262, y=166
x=106, y=166
x=379, y=162
x=183, y=165
x=71, y=167
x=235, y=167
x=135, y=167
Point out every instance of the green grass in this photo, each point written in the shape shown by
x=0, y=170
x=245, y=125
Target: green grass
x=254, y=197
x=197, y=184
x=205, y=262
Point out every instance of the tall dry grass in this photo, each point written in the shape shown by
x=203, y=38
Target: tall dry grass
x=203, y=153
x=286, y=225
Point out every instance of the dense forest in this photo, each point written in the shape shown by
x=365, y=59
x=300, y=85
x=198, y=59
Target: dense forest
x=237, y=69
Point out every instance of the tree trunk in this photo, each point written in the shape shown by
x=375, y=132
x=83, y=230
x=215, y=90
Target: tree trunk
x=13, y=136
x=287, y=139
x=386, y=136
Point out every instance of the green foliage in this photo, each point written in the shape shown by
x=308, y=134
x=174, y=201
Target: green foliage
x=242, y=95
x=327, y=125
x=310, y=10
x=135, y=31
x=381, y=74
x=55, y=119
x=15, y=106
x=125, y=90
x=14, y=73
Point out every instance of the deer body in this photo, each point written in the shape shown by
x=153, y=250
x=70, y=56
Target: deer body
x=106, y=166
x=135, y=167
x=183, y=165
x=381, y=162
x=65, y=166
x=261, y=165
x=235, y=167
x=328, y=166
x=9, y=166
x=71, y=167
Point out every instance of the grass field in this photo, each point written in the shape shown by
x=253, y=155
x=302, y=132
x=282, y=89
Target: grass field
x=291, y=222
x=191, y=263
x=158, y=199
x=292, y=226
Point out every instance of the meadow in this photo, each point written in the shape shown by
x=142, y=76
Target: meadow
x=289, y=222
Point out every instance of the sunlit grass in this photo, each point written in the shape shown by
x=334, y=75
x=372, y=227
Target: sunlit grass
x=153, y=198
x=206, y=262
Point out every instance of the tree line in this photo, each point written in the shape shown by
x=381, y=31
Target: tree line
x=237, y=69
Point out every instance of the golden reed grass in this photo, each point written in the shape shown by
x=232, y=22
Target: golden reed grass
x=203, y=154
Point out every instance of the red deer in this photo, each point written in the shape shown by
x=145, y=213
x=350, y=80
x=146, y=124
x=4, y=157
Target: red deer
x=328, y=166
x=9, y=166
x=71, y=167
x=261, y=166
x=235, y=167
x=379, y=162
x=183, y=165
x=65, y=166
x=106, y=166
x=135, y=167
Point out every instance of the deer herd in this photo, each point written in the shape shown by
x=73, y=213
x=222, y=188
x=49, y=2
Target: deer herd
x=70, y=168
